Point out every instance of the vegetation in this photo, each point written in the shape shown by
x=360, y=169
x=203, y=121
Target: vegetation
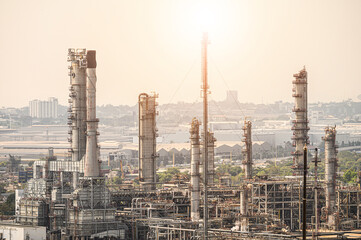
x=236, y=173
x=349, y=166
x=8, y=207
x=282, y=168
x=116, y=180
x=170, y=174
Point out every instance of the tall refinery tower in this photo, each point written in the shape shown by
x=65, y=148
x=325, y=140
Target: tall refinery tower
x=247, y=150
x=300, y=123
x=147, y=141
x=91, y=163
x=77, y=109
x=330, y=175
x=195, y=175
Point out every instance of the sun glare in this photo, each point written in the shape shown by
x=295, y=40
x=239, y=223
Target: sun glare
x=202, y=17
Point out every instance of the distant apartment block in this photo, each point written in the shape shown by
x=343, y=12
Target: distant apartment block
x=44, y=109
x=232, y=96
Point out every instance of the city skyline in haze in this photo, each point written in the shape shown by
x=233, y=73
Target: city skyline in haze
x=143, y=46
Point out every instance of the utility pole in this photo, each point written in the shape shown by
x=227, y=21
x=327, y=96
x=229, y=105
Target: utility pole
x=304, y=192
x=315, y=235
x=205, y=134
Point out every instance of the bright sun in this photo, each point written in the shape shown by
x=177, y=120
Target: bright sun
x=202, y=16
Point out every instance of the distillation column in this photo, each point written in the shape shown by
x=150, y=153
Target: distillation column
x=91, y=164
x=300, y=123
x=211, y=140
x=77, y=95
x=330, y=174
x=147, y=141
x=195, y=175
x=243, y=208
x=247, y=150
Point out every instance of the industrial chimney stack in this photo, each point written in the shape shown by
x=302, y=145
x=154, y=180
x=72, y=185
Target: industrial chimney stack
x=91, y=168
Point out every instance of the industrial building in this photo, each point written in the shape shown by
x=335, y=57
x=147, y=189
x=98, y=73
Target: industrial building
x=72, y=200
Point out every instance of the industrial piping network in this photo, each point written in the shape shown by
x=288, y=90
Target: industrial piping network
x=90, y=204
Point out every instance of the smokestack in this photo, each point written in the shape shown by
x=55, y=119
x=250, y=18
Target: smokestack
x=77, y=108
x=195, y=176
x=330, y=173
x=147, y=141
x=91, y=168
x=300, y=124
x=247, y=150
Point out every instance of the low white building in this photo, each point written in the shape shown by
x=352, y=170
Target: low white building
x=12, y=231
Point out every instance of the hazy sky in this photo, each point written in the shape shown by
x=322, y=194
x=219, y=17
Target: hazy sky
x=150, y=45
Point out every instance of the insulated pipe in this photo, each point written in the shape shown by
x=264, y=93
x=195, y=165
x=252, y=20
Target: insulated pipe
x=195, y=177
x=91, y=168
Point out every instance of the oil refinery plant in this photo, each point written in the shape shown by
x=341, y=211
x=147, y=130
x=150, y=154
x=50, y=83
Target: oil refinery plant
x=71, y=199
